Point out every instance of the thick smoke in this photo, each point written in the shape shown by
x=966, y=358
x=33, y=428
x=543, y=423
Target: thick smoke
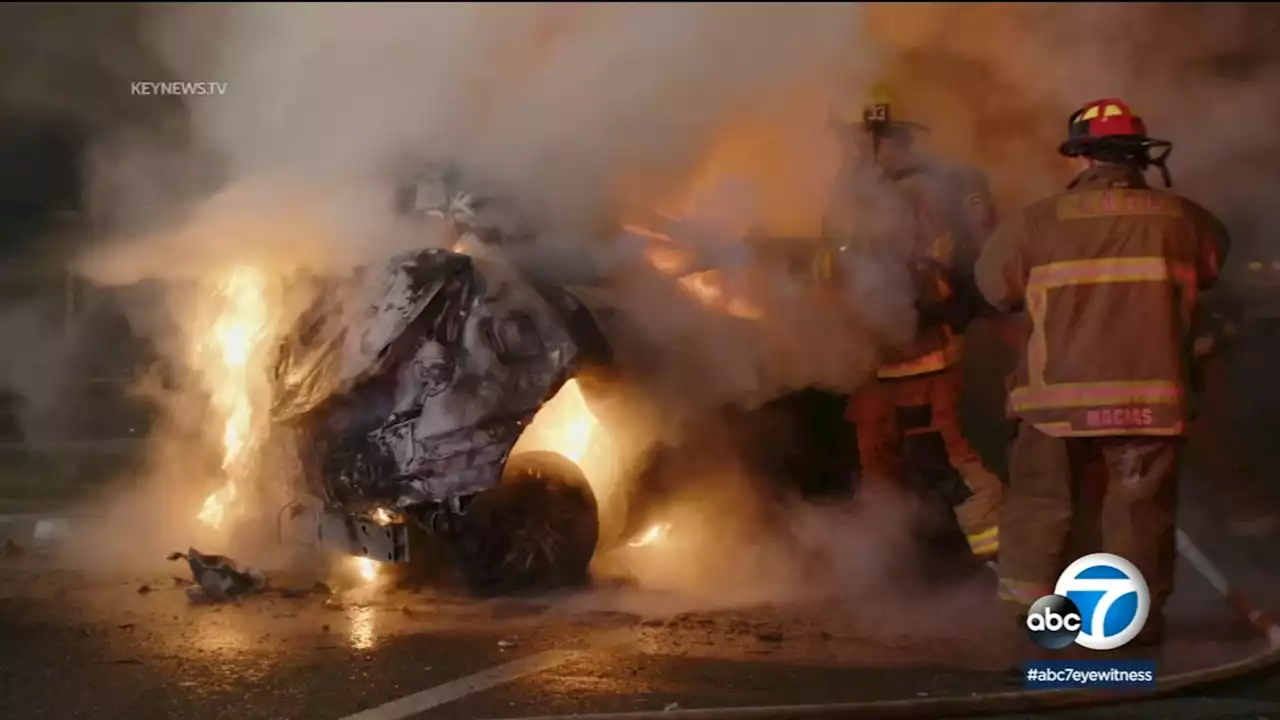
x=997, y=83
x=585, y=115
x=590, y=113
x=569, y=107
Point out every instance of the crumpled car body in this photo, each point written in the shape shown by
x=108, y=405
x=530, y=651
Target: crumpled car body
x=414, y=396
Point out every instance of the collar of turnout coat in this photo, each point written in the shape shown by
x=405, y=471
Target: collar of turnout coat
x=1108, y=175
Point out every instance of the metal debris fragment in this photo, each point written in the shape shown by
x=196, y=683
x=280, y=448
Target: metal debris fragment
x=671, y=707
x=12, y=549
x=506, y=644
x=218, y=578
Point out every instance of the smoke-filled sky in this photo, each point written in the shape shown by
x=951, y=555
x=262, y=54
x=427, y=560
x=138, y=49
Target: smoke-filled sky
x=999, y=81
x=588, y=111
x=573, y=108
x=582, y=109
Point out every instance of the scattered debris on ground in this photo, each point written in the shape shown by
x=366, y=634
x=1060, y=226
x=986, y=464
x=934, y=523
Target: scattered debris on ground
x=218, y=578
x=507, y=644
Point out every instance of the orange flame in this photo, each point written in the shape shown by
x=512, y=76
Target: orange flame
x=708, y=288
x=228, y=372
x=366, y=568
x=565, y=425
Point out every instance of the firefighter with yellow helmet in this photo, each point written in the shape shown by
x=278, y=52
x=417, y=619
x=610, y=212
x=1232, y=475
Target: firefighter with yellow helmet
x=894, y=209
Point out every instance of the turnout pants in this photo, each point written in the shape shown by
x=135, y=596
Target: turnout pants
x=1116, y=494
x=909, y=428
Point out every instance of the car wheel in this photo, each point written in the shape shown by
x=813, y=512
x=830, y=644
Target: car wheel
x=537, y=530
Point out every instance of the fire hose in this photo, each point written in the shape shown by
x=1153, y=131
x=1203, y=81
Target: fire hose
x=1013, y=701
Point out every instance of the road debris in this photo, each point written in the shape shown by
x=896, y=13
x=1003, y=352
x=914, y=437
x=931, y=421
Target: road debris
x=218, y=578
x=12, y=549
x=671, y=707
x=771, y=636
x=506, y=644
x=317, y=589
x=144, y=589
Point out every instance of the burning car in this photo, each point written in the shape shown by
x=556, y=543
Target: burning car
x=404, y=408
x=405, y=418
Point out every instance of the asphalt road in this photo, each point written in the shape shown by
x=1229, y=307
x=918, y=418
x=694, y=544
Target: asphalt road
x=80, y=644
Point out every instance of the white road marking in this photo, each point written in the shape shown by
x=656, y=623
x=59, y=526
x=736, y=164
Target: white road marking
x=453, y=690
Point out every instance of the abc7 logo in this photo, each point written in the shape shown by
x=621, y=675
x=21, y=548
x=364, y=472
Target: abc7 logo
x=1053, y=622
x=1116, y=601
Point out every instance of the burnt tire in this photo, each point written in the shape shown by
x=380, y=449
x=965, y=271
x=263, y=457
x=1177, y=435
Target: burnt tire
x=536, y=531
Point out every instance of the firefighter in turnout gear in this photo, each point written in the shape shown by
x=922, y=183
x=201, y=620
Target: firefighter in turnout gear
x=1109, y=271
x=893, y=210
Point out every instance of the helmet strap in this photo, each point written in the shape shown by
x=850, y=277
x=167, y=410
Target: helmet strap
x=1131, y=152
x=1160, y=162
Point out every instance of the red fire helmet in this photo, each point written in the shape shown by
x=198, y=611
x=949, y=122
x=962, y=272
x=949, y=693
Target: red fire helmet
x=1099, y=119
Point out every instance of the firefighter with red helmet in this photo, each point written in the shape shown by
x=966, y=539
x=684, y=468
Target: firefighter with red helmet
x=895, y=212
x=1110, y=271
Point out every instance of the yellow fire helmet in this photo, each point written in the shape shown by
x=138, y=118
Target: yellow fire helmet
x=882, y=111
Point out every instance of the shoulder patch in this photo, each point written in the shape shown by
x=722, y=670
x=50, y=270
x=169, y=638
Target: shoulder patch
x=1118, y=202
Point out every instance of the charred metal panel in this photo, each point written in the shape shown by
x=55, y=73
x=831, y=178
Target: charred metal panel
x=419, y=395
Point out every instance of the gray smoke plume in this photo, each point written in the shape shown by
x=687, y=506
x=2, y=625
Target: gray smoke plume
x=584, y=114
x=588, y=113
x=997, y=83
x=563, y=105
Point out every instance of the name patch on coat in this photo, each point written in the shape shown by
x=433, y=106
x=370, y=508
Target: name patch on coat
x=1114, y=202
x=1121, y=417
